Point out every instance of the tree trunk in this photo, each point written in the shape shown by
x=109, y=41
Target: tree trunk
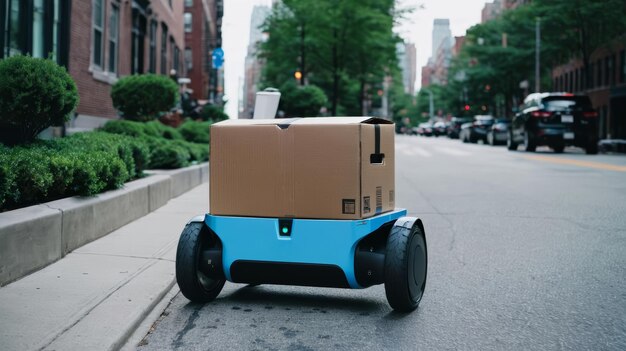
x=302, y=55
x=335, y=97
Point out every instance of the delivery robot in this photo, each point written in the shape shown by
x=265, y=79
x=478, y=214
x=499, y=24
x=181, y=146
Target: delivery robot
x=388, y=248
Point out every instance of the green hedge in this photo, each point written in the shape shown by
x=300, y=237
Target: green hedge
x=89, y=163
x=169, y=147
x=196, y=132
x=82, y=164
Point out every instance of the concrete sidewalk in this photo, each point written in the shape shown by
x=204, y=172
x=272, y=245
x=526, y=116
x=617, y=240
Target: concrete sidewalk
x=95, y=297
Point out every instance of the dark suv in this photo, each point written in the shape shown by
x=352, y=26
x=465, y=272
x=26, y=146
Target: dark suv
x=556, y=120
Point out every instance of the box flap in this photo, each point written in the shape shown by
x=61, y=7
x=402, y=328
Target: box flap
x=254, y=122
x=341, y=120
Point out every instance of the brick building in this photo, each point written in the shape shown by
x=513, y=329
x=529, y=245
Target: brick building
x=98, y=41
x=203, y=34
x=606, y=87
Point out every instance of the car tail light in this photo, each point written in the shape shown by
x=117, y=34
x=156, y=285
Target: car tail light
x=540, y=114
x=590, y=114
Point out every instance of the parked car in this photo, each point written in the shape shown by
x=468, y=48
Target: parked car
x=556, y=120
x=439, y=128
x=465, y=131
x=425, y=129
x=477, y=130
x=454, y=128
x=499, y=132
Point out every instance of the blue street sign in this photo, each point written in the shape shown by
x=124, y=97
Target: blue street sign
x=217, y=58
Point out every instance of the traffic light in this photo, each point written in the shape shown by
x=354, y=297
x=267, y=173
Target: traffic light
x=467, y=107
x=298, y=75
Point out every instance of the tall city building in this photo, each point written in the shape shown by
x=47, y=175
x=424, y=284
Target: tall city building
x=491, y=10
x=441, y=34
x=407, y=61
x=253, y=64
x=203, y=35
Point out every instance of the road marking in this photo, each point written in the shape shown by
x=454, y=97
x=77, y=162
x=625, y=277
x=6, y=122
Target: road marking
x=453, y=152
x=589, y=164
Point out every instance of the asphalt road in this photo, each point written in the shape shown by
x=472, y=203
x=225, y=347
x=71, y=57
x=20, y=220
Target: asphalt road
x=526, y=251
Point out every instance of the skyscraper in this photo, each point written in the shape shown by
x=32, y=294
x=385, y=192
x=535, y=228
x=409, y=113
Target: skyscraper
x=441, y=33
x=253, y=65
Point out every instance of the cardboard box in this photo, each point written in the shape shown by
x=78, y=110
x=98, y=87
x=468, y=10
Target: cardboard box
x=328, y=168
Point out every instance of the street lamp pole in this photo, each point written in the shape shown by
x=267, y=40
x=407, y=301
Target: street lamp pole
x=431, y=104
x=537, y=54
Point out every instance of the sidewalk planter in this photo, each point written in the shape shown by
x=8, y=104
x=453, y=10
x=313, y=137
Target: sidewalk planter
x=36, y=236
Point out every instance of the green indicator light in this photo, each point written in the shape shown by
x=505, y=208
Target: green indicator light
x=285, y=230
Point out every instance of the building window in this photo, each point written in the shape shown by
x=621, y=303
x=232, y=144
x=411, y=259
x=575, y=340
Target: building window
x=172, y=52
x=98, y=25
x=188, y=3
x=177, y=60
x=188, y=59
x=164, y=49
x=113, y=37
x=13, y=33
x=153, y=39
x=137, y=42
x=188, y=22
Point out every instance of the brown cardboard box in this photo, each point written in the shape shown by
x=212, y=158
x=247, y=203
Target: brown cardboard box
x=331, y=168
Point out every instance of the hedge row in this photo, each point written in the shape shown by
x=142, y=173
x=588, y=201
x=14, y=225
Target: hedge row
x=169, y=147
x=89, y=163
x=82, y=164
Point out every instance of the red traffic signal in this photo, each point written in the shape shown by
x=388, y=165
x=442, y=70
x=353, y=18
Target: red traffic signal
x=467, y=107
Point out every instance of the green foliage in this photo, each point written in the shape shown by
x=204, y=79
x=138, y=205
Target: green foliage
x=487, y=73
x=195, y=132
x=169, y=155
x=34, y=95
x=343, y=47
x=144, y=97
x=213, y=113
x=301, y=101
x=168, y=147
x=7, y=176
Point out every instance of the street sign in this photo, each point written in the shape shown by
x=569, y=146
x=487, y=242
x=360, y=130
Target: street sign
x=217, y=58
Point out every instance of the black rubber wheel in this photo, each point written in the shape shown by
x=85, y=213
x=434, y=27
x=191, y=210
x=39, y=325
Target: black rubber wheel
x=510, y=144
x=405, y=268
x=194, y=284
x=529, y=142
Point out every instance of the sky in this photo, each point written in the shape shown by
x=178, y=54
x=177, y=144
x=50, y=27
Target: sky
x=417, y=28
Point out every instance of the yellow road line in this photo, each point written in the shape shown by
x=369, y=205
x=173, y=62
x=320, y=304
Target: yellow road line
x=567, y=161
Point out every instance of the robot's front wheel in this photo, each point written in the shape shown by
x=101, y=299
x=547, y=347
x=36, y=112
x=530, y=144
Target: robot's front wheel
x=405, y=267
x=192, y=281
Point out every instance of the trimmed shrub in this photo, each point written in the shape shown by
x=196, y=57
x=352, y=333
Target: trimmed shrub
x=213, y=113
x=33, y=178
x=7, y=176
x=35, y=94
x=144, y=97
x=195, y=132
x=124, y=127
x=158, y=129
x=169, y=156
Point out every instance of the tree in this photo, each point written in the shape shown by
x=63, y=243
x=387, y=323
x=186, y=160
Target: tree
x=343, y=47
x=301, y=101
